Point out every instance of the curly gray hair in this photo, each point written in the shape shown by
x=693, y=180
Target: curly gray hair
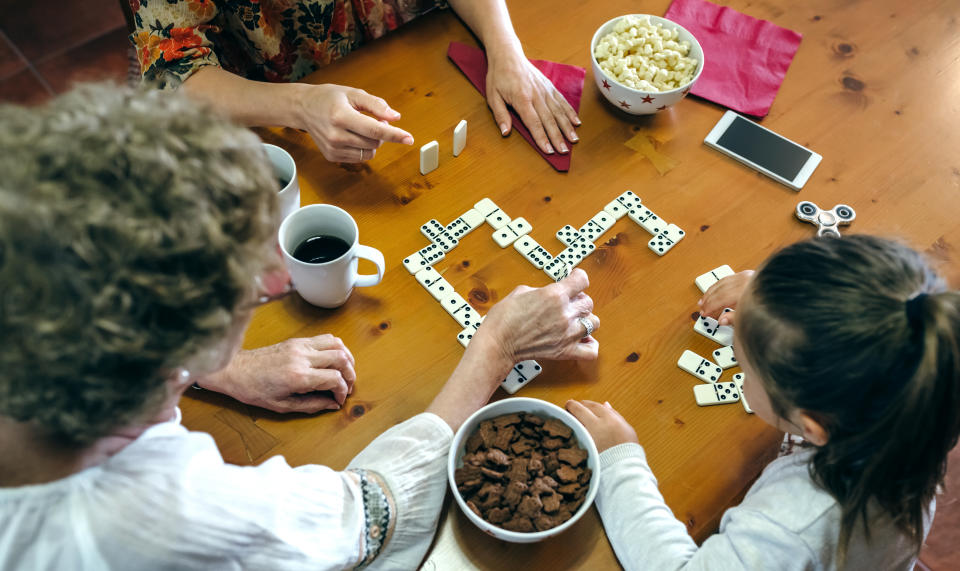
x=132, y=225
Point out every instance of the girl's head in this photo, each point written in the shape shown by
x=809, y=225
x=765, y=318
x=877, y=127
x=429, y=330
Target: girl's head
x=856, y=343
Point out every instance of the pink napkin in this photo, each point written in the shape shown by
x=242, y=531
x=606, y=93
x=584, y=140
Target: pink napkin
x=745, y=58
x=568, y=79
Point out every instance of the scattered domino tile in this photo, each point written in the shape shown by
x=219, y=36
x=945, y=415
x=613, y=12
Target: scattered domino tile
x=646, y=219
x=466, y=335
x=709, y=328
x=446, y=241
x=568, y=235
x=459, y=137
x=431, y=229
x=666, y=240
x=525, y=244
x=557, y=269
x=724, y=357
x=699, y=367
x=706, y=280
x=429, y=157
x=414, y=263
x=431, y=254
x=521, y=374
x=596, y=226
x=716, y=393
x=508, y=234
x=738, y=379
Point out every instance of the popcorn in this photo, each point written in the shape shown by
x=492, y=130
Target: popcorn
x=645, y=56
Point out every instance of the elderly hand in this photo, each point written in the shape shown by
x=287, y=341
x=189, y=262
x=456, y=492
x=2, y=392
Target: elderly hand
x=544, y=322
x=335, y=117
x=513, y=80
x=724, y=293
x=298, y=375
x=607, y=427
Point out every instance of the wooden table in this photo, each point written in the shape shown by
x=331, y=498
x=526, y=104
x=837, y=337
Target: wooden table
x=873, y=89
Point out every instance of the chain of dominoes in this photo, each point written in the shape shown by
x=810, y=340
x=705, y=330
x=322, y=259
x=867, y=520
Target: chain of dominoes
x=714, y=391
x=579, y=242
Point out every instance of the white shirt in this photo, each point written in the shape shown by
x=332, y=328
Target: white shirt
x=785, y=522
x=168, y=501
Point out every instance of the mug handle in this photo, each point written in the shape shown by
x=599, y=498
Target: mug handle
x=375, y=256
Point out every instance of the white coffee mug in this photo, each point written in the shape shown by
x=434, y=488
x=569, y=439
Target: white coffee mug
x=285, y=170
x=327, y=284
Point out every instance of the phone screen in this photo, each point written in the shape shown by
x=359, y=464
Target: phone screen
x=762, y=147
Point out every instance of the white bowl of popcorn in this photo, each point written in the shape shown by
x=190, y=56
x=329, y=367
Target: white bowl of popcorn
x=643, y=64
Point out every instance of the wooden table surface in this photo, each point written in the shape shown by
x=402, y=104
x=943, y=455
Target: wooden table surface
x=873, y=88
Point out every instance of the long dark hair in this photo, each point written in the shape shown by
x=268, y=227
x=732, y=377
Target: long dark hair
x=862, y=334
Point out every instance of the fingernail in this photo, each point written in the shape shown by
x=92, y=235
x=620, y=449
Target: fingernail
x=573, y=136
x=503, y=128
x=576, y=121
x=563, y=148
x=408, y=140
x=548, y=149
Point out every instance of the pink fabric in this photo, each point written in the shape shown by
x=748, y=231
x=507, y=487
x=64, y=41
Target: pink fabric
x=568, y=79
x=745, y=59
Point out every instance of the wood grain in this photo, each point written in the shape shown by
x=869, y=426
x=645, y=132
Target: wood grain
x=873, y=89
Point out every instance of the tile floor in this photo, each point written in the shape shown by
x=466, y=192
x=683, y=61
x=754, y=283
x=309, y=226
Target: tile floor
x=45, y=47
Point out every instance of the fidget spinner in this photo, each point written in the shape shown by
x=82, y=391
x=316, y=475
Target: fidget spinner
x=827, y=221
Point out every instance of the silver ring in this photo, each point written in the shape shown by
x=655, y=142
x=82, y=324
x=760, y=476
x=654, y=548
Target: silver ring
x=361, y=155
x=587, y=324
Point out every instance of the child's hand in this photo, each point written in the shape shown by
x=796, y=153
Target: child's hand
x=724, y=293
x=604, y=424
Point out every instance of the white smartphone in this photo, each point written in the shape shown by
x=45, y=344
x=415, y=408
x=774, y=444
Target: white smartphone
x=755, y=146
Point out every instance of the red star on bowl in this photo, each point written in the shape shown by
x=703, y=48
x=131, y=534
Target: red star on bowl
x=661, y=108
x=625, y=105
x=647, y=99
x=606, y=85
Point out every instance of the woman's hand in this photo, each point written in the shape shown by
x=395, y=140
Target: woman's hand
x=335, y=117
x=544, y=322
x=604, y=424
x=298, y=375
x=513, y=80
x=724, y=293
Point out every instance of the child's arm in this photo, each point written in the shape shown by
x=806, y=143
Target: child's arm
x=645, y=534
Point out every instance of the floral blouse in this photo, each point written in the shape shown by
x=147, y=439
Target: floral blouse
x=264, y=40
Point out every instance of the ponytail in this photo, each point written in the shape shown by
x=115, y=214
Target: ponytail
x=863, y=334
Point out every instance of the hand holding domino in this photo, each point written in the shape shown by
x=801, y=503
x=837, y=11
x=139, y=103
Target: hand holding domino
x=725, y=293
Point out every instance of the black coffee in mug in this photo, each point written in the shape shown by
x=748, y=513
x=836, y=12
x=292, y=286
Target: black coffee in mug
x=320, y=249
x=283, y=182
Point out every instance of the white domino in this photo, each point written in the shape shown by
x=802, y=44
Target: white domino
x=576, y=253
x=616, y=209
x=431, y=229
x=428, y=277
x=738, y=379
x=716, y=393
x=706, y=280
x=525, y=244
x=699, y=367
x=431, y=254
x=539, y=257
x=709, y=328
x=724, y=357
x=666, y=240
x=497, y=219
x=509, y=233
x=521, y=374
x=458, y=308
x=466, y=223
x=596, y=226
x=557, y=269
x=414, y=263
x=446, y=241
x=440, y=289
x=486, y=207
x=646, y=219
x=568, y=235
x=629, y=200
x=459, y=137
x=429, y=157
x=466, y=335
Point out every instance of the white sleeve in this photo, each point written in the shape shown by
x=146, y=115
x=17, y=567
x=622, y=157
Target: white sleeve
x=410, y=459
x=646, y=535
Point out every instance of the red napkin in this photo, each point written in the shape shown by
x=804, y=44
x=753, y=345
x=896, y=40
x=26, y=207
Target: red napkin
x=568, y=79
x=745, y=58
